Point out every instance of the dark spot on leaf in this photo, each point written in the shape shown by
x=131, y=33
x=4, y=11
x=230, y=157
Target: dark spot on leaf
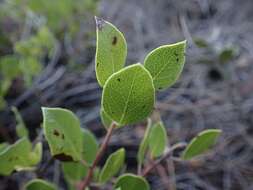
x=56, y=133
x=97, y=64
x=62, y=136
x=177, y=59
x=99, y=23
x=114, y=40
x=176, y=54
x=160, y=88
x=63, y=157
x=143, y=106
x=118, y=79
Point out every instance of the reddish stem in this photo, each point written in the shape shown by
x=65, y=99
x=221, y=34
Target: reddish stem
x=85, y=183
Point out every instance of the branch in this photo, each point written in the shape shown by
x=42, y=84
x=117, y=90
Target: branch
x=99, y=155
x=164, y=157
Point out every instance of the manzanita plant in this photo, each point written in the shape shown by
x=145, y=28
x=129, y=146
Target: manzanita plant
x=128, y=98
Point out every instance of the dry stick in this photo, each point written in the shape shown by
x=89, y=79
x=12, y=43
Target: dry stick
x=164, y=157
x=99, y=155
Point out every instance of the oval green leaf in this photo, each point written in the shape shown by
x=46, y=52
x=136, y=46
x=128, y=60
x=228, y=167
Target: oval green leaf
x=201, y=143
x=20, y=127
x=39, y=184
x=111, y=50
x=165, y=64
x=128, y=95
x=158, y=140
x=18, y=156
x=131, y=182
x=112, y=166
x=75, y=171
x=63, y=133
x=144, y=144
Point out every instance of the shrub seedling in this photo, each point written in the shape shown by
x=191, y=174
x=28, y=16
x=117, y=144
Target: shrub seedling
x=128, y=97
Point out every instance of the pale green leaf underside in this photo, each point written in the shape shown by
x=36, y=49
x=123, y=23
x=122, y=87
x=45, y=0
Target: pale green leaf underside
x=165, y=64
x=158, y=140
x=112, y=166
x=75, y=171
x=131, y=182
x=19, y=156
x=144, y=144
x=111, y=50
x=128, y=95
x=63, y=133
x=39, y=184
x=201, y=143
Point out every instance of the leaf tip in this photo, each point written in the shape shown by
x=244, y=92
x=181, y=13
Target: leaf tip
x=99, y=23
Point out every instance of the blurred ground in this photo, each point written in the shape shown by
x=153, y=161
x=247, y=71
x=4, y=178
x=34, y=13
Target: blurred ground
x=214, y=91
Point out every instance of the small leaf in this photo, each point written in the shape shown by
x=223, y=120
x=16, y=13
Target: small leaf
x=158, y=139
x=17, y=157
x=39, y=184
x=3, y=146
x=129, y=95
x=63, y=133
x=227, y=54
x=201, y=143
x=131, y=182
x=106, y=120
x=144, y=144
x=75, y=171
x=112, y=165
x=20, y=128
x=165, y=64
x=111, y=50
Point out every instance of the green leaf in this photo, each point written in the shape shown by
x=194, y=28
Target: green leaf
x=3, y=146
x=39, y=184
x=131, y=182
x=106, y=120
x=75, y=171
x=158, y=139
x=111, y=50
x=18, y=156
x=128, y=95
x=165, y=64
x=227, y=54
x=201, y=143
x=144, y=144
x=20, y=127
x=112, y=166
x=63, y=133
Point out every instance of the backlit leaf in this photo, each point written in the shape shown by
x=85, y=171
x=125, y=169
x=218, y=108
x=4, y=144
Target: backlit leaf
x=201, y=143
x=165, y=64
x=63, y=133
x=39, y=184
x=112, y=166
x=144, y=144
x=18, y=156
x=128, y=95
x=131, y=182
x=158, y=139
x=20, y=127
x=111, y=50
x=75, y=171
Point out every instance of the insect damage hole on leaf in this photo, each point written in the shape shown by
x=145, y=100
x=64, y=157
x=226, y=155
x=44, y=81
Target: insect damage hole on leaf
x=63, y=133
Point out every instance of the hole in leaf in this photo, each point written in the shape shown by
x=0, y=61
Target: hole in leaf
x=56, y=133
x=63, y=157
x=118, y=79
x=114, y=40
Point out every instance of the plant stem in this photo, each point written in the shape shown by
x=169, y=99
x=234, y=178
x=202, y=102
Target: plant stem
x=85, y=183
x=164, y=157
